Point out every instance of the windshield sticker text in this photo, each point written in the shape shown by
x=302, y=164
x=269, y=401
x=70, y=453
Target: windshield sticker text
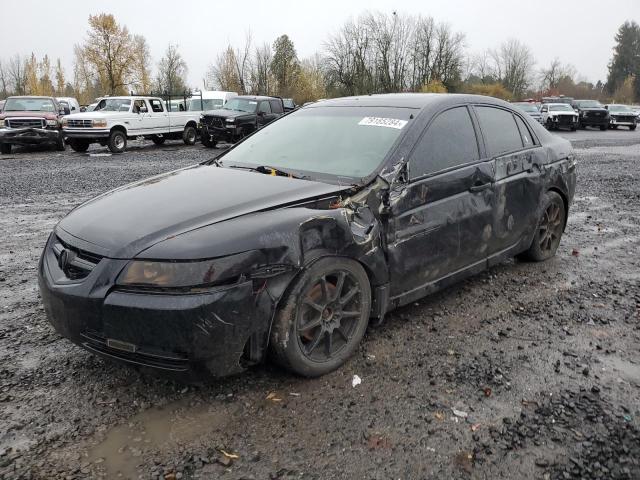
x=383, y=122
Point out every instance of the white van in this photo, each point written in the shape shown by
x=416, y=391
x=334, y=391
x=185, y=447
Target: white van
x=211, y=100
x=74, y=106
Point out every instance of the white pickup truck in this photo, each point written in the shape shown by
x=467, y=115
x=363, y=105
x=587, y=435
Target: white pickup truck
x=116, y=119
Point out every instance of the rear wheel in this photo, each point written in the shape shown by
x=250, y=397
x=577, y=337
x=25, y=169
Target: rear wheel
x=207, y=142
x=189, y=135
x=79, y=145
x=5, y=148
x=60, y=146
x=632, y=127
x=158, y=139
x=549, y=230
x=117, y=141
x=323, y=317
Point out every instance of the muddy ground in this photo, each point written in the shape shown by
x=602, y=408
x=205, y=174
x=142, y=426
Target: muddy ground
x=525, y=371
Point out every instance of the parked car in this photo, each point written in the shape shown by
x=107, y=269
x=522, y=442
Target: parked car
x=116, y=119
x=293, y=238
x=531, y=109
x=31, y=120
x=239, y=117
x=591, y=113
x=74, y=106
x=558, y=99
x=289, y=104
x=558, y=115
x=622, y=116
x=209, y=100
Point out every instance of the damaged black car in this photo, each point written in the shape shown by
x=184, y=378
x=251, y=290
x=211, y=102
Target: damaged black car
x=291, y=241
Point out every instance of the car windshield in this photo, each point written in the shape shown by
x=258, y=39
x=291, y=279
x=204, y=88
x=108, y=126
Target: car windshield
x=527, y=107
x=288, y=103
x=29, y=105
x=241, y=105
x=197, y=105
x=324, y=142
x=589, y=104
x=619, y=108
x=114, y=105
x=560, y=108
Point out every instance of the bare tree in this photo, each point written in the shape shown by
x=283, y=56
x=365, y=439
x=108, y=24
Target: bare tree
x=261, y=79
x=513, y=65
x=4, y=79
x=17, y=74
x=550, y=77
x=172, y=72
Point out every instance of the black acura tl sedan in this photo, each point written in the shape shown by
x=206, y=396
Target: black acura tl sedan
x=291, y=241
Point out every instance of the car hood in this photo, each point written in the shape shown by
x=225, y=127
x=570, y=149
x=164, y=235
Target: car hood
x=593, y=109
x=47, y=115
x=124, y=222
x=226, y=113
x=95, y=115
x=563, y=112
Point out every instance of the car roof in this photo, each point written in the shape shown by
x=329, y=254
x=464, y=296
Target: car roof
x=409, y=100
x=30, y=96
x=257, y=97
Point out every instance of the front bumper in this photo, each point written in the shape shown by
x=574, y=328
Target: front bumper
x=567, y=121
x=228, y=133
x=86, y=133
x=181, y=334
x=593, y=121
x=623, y=122
x=29, y=136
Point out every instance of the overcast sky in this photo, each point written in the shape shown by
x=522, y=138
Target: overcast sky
x=579, y=32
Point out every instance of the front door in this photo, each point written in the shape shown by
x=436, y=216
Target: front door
x=440, y=224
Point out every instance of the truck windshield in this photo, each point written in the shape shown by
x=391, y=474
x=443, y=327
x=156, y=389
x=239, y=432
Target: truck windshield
x=241, y=105
x=619, y=108
x=324, y=141
x=26, y=104
x=589, y=104
x=207, y=104
x=114, y=105
x=527, y=107
x=560, y=108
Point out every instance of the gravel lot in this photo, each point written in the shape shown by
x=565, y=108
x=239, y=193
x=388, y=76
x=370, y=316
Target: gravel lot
x=525, y=371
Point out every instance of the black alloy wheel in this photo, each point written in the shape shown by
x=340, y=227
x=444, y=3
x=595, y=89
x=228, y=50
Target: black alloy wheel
x=550, y=228
x=324, y=317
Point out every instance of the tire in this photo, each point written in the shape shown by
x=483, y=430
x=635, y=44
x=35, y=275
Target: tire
x=60, y=146
x=189, y=135
x=157, y=139
x=549, y=125
x=573, y=129
x=613, y=127
x=208, y=143
x=117, y=141
x=603, y=127
x=632, y=127
x=549, y=229
x=332, y=301
x=5, y=148
x=79, y=145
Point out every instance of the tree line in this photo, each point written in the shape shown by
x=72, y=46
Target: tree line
x=375, y=53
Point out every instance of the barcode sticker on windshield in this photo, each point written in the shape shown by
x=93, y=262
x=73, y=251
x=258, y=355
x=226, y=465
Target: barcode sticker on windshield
x=383, y=122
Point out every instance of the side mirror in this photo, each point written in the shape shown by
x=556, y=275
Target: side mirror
x=83, y=109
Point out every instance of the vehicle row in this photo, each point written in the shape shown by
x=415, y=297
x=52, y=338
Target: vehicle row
x=112, y=121
x=574, y=114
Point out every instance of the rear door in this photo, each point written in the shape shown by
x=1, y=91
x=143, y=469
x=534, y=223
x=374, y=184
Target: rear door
x=265, y=114
x=518, y=157
x=158, y=118
x=440, y=224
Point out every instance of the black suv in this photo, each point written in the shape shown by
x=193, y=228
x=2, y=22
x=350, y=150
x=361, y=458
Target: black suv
x=239, y=117
x=591, y=113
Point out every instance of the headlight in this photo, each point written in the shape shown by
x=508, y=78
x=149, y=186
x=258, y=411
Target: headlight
x=65, y=121
x=201, y=117
x=2, y=124
x=99, y=123
x=231, y=120
x=167, y=274
x=52, y=123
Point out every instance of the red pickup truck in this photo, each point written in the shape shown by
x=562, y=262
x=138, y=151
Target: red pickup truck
x=31, y=121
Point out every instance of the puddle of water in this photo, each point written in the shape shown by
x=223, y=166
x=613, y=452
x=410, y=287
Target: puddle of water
x=627, y=370
x=152, y=430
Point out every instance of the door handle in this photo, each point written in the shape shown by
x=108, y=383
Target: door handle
x=479, y=187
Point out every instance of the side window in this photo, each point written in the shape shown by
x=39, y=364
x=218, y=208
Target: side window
x=276, y=106
x=156, y=105
x=544, y=109
x=449, y=141
x=264, y=107
x=500, y=130
x=525, y=133
x=139, y=106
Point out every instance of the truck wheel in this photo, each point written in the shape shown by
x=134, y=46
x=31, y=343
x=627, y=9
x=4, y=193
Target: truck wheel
x=117, y=141
x=323, y=317
x=632, y=127
x=603, y=127
x=5, y=148
x=79, y=145
x=158, y=139
x=208, y=143
x=189, y=135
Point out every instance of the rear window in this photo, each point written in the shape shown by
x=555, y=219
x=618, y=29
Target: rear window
x=276, y=106
x=156, y=105
x=500, y=131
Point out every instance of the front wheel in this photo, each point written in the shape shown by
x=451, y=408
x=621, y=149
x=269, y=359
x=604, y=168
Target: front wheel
x=5, y=148
x=60, y=146
x=632, y=127
x=550, y=227
x=189, y=135
x=207, y=142
x=117, y=141
x=79, y=145
x=603, y=127
x=323, y=317
x=158, y=139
